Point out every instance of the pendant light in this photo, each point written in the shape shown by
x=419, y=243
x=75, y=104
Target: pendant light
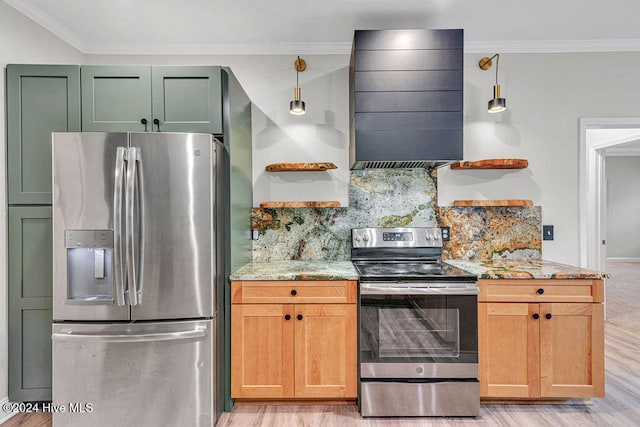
x=297, y=106
x=496, y=104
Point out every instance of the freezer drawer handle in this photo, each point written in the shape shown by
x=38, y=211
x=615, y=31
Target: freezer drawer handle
x=165, y=336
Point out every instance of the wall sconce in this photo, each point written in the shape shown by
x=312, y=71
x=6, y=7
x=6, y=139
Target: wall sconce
x=297, y=106
x=496, y=104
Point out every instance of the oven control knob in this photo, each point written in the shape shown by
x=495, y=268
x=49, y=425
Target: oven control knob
x=365, y=238
x=358, y=238
x=419, y=370
x=428, y=237
x=436, y=237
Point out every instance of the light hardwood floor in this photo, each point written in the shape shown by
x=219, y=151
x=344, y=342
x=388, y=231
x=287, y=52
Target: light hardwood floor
x=620, y=406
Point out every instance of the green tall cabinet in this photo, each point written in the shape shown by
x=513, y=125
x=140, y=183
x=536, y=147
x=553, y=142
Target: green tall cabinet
x=40, y=99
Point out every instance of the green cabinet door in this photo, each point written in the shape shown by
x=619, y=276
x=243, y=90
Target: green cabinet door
x=30, y=303
x=40, y=99
x=187, y=99
x=116, y=98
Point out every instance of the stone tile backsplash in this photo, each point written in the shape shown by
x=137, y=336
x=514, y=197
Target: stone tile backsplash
x=395, y=198
x=484, y=233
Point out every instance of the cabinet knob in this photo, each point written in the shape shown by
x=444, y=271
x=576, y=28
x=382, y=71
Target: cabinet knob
x=299, y=316
x=287, y=317
x=294, y=292
x=548, y=316
x=157, y=123
x=540, y=291
x=536, y=316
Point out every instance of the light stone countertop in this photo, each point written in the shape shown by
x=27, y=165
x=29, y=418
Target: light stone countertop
x=296, y=270
x=344, y=270
x=524, y=269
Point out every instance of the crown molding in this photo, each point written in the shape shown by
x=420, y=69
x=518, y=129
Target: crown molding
x=553, y=46
x=46, y=21
x=344, y=48
x=330, y=48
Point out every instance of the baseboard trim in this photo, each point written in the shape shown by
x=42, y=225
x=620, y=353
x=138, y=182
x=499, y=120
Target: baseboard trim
x=4, y=416
x=622, y=259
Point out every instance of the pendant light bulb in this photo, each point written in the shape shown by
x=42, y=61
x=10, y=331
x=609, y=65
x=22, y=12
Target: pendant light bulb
x=496, y=104
x=297, y=107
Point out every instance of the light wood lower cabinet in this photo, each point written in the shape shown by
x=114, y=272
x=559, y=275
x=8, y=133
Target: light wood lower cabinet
x=294, y=351
x=538, y=349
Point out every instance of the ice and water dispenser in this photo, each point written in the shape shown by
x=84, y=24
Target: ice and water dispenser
x=89, y=273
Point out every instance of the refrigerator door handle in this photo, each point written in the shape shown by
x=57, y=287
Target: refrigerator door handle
x=198, y=332
x=118, y=258
x=130, y=219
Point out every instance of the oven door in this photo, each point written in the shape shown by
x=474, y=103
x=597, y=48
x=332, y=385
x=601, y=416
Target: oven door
x=418, y=332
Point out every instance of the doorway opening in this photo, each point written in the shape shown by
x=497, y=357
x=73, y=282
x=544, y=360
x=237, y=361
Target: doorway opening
x=596, y=138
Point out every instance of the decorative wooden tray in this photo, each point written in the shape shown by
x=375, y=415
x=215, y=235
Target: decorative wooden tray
x=492, y=203
x=326, y=204
x=300, y=167
x=492, y=164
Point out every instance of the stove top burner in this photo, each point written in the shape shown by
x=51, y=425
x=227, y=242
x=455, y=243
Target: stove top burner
x=399, y=270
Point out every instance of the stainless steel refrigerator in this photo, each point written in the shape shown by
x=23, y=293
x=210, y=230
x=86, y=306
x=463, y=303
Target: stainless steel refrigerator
x=138, y=240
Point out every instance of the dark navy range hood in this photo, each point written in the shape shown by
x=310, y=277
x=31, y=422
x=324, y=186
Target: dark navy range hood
x=406, y=98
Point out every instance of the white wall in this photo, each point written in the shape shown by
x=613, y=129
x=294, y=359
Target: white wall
x=21, y=41
x=623, y=207
x=546, y=95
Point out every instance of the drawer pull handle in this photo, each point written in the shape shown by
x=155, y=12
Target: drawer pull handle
x=540, y=291
x=287, y=317
x=536, y=316
x=294, y=292
x=299, y=316
x=548, y=316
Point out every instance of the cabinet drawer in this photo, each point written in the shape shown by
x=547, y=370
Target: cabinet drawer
x=541, y=290
x=294, y=291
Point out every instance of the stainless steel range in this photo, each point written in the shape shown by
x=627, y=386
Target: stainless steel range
x=418, y=326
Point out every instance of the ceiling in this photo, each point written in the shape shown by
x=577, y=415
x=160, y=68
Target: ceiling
x=326, y=26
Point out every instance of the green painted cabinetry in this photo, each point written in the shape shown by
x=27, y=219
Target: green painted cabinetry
x=65, y=98
x=167, y=99
x=30, y=303
x=40, y=99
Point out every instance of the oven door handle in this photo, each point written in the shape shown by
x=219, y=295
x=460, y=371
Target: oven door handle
x=367, y=289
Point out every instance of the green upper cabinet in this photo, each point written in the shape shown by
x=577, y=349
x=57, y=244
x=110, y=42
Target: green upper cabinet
x=116, y=98
x=187, y=99
x=167, y=99
x=40, y=99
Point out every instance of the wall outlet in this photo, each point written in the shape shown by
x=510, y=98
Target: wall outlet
x=547, y=232
x=254, y=234
x=446, y=233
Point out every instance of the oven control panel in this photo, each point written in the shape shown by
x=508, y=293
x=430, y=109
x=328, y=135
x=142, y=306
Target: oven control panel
x=430, y=237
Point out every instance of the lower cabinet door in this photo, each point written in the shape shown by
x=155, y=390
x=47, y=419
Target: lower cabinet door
x=262, y=364
x=509, y=353
x=572, y=350
x=30, y=303
x=325, y=350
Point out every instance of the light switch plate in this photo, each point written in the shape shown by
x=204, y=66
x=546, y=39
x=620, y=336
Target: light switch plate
x=547, y=232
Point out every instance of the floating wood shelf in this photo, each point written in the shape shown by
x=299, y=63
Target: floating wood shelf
x=326, y=204
x=300, y=167
x=492, y=203
x=492, y=164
